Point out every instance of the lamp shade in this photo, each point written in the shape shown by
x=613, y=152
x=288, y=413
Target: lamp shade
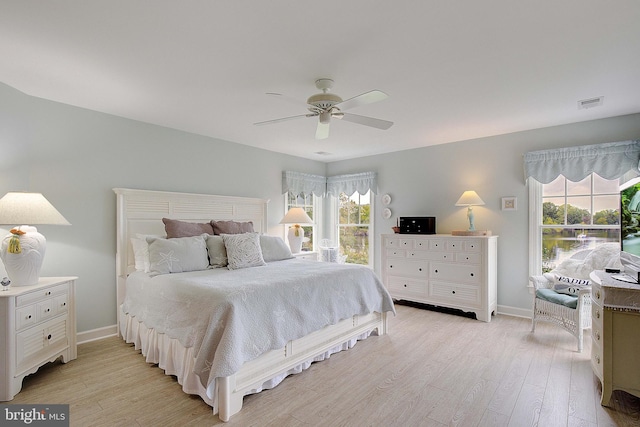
x=28, y=208
x=469, y=198
x=296, y=216
x=22, y=250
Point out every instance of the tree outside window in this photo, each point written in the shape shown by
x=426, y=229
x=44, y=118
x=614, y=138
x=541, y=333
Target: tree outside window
x=354, y=227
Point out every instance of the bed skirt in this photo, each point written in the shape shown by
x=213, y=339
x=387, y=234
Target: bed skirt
x=175, y=359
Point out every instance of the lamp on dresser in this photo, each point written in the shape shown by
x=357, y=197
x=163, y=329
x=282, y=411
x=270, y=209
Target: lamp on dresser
x=22, y=250
x=296, y=216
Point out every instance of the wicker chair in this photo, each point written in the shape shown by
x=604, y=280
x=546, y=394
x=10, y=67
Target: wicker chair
x=574, y=320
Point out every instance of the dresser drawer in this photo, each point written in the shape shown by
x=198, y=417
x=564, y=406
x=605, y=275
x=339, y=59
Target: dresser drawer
x=396, y=253
x=596, y=360
x=597, y=294
x=407, y=267
x=469, y=258
x=456, y=294
x=455, y=272
x=432, y=256
x=406, y=286
x=41, y=294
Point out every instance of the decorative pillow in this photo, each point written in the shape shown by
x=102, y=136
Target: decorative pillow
x=141, y=251
x=243, y=250
x=177, y=255
x=217, y=251
x=231, y=227
x=274, y=248
x=176, y=228
x=567, y=285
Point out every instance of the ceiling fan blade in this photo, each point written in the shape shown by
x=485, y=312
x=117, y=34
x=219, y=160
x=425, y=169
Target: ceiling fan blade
x=284, y=119
x=322, y=131
x=364, y=120
x=363, y=99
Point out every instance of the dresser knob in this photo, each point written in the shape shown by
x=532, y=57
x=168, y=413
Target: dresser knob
x=29, y=317
x=405, y=285
x=597, y=294
x=598, y=336
x=435, y=271
x=453, y=292
x=420, y=269
x=471, y=274
x=598, y=360
x=49, y=336
x=597, y=314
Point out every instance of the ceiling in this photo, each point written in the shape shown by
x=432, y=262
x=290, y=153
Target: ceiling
x=453, y=70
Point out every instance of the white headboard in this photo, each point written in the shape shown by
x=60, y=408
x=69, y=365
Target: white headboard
x=141, y=211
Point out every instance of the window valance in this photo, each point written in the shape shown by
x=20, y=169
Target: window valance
x=298, y=182
x=349, y=184
x=610, y=160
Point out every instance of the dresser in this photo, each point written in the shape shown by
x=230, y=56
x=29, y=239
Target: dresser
x=38, y=325
x=615, y=335
x=443, y=270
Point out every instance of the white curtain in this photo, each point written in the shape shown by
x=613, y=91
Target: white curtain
x=610, y=160
x=349, y=184
x=298, y=183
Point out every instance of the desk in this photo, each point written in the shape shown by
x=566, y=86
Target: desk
x=615, y=333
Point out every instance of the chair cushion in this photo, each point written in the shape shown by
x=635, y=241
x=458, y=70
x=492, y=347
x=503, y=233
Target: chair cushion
x=552, y=296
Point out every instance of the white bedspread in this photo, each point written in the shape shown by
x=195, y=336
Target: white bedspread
x=232, y=316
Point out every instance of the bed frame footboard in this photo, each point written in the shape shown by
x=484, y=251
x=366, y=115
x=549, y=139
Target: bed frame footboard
x=232, y=389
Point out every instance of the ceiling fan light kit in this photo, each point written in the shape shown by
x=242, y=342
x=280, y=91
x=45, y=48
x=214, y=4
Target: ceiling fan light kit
x=326, y=105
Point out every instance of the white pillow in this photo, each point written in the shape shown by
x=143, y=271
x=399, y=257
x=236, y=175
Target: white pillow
x=141, y=251
x=274, y=248
x=177, y=255
x=217, y=251
x=243, y=250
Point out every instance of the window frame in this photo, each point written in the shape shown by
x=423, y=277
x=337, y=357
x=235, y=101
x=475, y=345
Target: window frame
x=370, y=225
x=536, y=226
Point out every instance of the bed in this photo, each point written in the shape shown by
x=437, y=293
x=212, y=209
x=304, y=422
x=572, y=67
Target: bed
x=220, y=353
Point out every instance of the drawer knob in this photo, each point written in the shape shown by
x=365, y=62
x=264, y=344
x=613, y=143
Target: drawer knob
x=29, y=317
x=444, y=256
x=453, y=292
x=405, y=285
x=64, y=304
x=597, y=314
x=49, y=336
x=435, y=271
x=598, y=360
x=471, y=274
x=391, y=266
x=597, y=294
x=420, y=269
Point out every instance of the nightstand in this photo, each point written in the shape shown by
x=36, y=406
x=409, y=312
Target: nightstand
x=38, y=325
x=311, y=256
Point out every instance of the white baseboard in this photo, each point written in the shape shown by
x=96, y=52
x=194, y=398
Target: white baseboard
x=515, y=311
x=97, y=334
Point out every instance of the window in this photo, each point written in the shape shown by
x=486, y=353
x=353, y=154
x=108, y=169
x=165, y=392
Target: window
x=310, y=204
x=570, y=216
x=355, y=228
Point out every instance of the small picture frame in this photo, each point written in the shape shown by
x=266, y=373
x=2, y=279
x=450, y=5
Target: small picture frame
x=509, y=203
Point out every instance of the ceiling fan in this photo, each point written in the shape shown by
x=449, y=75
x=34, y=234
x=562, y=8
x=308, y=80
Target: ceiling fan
x=326, y=105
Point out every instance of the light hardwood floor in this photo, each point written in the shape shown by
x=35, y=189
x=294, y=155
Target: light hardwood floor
x=432, y=369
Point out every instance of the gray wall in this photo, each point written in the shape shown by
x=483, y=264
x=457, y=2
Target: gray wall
x=429, y=181
x=76, y=156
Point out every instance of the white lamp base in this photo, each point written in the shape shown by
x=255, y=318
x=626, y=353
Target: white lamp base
x=23, y=269
x=295, y=242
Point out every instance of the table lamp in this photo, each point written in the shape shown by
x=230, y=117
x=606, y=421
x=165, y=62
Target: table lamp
x=470, y=199
x=295, y=235
x=22, y=250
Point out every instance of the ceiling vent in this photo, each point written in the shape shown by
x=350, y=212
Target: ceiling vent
x=590, y=103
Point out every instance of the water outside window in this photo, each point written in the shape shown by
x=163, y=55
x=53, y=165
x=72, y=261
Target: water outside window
x=578, y=215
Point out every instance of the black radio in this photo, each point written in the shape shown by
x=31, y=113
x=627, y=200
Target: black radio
x=417, y=225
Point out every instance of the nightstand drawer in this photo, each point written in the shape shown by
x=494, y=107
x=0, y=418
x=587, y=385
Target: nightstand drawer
x=25, y=316
x=38, y=343
x=41, y=294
